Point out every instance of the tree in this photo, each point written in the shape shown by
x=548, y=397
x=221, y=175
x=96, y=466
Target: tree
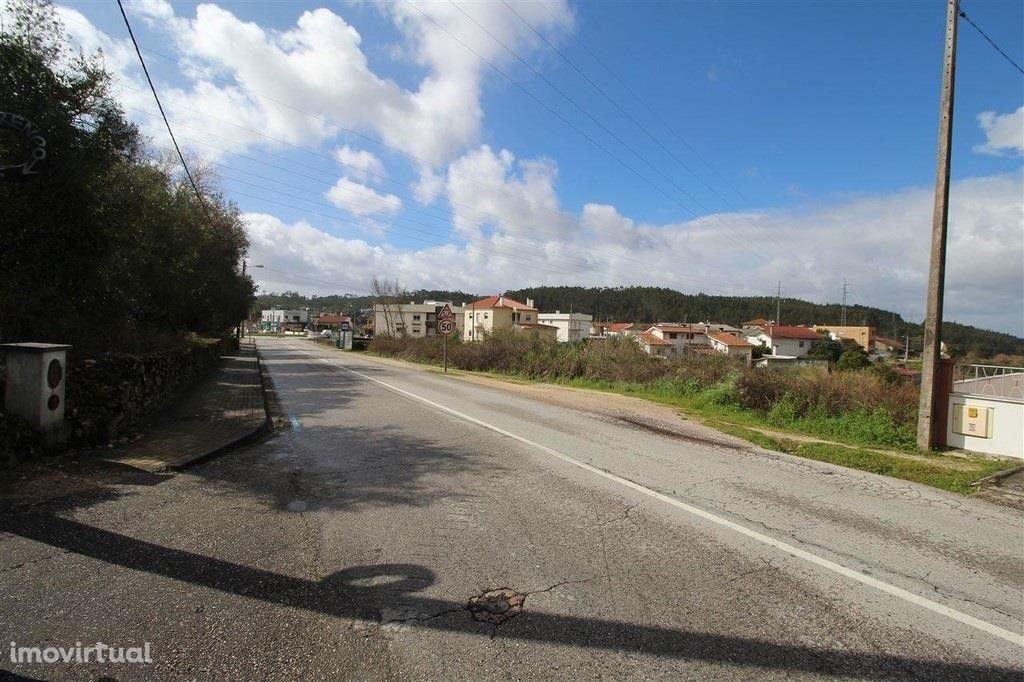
x=853, y=359
x=826, y=349
x=389, y=294
x=107, y=247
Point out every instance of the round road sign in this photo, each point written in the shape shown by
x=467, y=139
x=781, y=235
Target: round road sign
x=446, y=327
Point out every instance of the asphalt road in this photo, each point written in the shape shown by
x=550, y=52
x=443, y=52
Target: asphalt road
x=416, y=526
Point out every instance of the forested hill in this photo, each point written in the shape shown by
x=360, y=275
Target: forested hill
x=650, y=304
x=655, y=304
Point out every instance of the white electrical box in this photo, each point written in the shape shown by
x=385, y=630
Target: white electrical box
x=972, y=420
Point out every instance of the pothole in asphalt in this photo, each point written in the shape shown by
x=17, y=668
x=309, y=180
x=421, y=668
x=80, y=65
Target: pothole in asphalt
x=496, y=606
x=297, y=506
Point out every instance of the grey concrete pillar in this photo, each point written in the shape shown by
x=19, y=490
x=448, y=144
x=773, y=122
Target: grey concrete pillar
x=36, y=378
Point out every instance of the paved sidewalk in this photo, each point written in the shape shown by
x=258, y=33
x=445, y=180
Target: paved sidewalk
x=224, y=409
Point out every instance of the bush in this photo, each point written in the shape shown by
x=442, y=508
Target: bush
x=866, y=405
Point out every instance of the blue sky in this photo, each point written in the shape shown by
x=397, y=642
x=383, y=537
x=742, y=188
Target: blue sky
x=806, y=131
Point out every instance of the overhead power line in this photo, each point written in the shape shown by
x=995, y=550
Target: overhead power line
x=991, y=42
x=181, y=157
x=651, y=110
x=618, y=106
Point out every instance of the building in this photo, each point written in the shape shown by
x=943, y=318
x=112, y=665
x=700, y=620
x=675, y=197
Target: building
x=756, y=323
x=619, y=329
x=493, y=314
x=335, y=321
x=862, y=336
x=277, y=319
x=411, y=319
x=680, y=335
x=653, y=344
x=571, y=326
x=719, y=327
x=727, y=344
x=888, y=347
x=537, y=330
x=783, y=340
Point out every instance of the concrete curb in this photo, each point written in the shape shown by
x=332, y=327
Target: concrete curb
x=254, y=436
x=998, y=476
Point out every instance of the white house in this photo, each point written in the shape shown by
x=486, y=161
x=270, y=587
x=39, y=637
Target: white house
x=652, y=344
x=730, y=345
x=412, y=319
x=783, y=340
x=571, y=326
x=276, y=318
x=680, y=335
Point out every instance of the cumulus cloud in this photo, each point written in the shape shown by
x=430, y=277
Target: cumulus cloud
x=361, y=200
x=1003, y=132
x=493, y=191
x=244, y=72
x=360, y=164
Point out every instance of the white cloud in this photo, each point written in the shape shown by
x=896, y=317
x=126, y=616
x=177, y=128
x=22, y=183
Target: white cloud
x=489, y=190
x=320, y=65
x=361, y=200
x=1003, y=132
x=360, y=164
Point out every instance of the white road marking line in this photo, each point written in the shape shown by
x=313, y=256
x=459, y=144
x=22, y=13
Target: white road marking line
x=899, y=592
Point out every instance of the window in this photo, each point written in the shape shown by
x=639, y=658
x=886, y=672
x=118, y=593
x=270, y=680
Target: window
x=528, y=317
x=801, y=344
x=672, y=335
x=415, y=318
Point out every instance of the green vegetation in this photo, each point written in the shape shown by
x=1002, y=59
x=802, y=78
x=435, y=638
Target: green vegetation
x=107, y=247
x=859, y=407
x=872, y=415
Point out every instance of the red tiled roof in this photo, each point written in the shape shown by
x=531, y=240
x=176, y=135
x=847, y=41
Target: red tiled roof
x=652, y=340
x=332, y=318
x=500, y=302
x=759, y=322
x=784, y=332
x=729, y=340
x=619, y=326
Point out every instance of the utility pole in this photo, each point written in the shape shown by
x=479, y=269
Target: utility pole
x=778, y=302
x=940, y=218
x=845, y=289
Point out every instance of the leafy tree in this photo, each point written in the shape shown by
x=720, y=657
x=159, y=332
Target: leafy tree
x=853, y=359
x=106, y=247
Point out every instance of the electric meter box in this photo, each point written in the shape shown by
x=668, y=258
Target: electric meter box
x=36, y=378
x=972, y=420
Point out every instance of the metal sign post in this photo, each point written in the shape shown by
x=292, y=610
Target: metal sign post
x=445, y=326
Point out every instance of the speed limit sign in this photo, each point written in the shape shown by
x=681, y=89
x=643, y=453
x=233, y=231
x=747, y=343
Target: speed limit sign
x=446, y=327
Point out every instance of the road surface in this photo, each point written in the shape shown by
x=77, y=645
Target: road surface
x=411, y=525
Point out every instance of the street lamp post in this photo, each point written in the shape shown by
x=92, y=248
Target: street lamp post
x=238, y=331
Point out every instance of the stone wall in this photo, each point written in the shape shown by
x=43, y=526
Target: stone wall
x=107, y=394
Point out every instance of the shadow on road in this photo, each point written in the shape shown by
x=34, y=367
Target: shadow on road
x=362, y=592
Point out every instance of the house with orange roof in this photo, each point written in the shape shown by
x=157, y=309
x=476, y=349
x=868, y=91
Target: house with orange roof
x=733, y=346
x=680, y=336
x=501, y=313
x=653, y=344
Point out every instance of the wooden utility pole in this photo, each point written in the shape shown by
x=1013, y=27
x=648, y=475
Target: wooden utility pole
x=937, y=269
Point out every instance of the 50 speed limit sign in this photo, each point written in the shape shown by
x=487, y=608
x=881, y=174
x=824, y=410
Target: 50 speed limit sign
x=446, y=327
